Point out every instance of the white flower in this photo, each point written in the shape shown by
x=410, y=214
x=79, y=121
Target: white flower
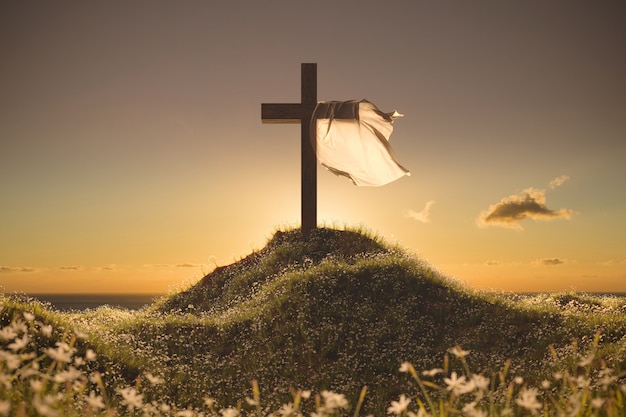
x=333, y=401
x=19, y=344
x=454, y=383
x=63, y=352
x=545, y=384
x=36, y=384
x=154, y=380
x=405, y=367
x=518, y=380
x=229, y=412
x=432, y=372
x=7, y=333
x=28, y=316
x=287, y=410
x=480, y=382
x=252, y=402
x=398, y=407
x=5, y=408
x=95, y=401
x=597, y=402
x=587, y=360
x=46, y=330
x=458, y=352
x=185, y=413
x=68, y=375
x=13, y=361
x=43, y=406
x=306, y=394
x=470, y=410
x=209, y=402
x=528, y=399
x=90, y=355
x=132, y=399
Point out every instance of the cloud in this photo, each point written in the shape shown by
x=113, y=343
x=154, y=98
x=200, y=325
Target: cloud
x=9, y=269
x=493, y=263
x=551, y=261
x=509, y=211
x=558, y=181
x=423, y=216
x=71, y=268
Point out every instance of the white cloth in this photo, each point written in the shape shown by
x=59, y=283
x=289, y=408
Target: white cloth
x=352, y=139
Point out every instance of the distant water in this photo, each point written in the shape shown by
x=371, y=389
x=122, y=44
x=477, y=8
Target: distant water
x=67, y=302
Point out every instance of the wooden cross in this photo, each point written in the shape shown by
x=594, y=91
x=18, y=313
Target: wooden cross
x=305, y=114
x=301, y=113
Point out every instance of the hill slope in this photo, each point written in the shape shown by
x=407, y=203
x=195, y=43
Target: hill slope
x=340, y=310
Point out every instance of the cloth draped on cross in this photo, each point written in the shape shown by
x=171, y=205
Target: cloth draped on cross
x=352, y=140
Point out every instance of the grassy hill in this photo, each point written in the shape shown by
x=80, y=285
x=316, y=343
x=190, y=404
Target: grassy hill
x=336, y=311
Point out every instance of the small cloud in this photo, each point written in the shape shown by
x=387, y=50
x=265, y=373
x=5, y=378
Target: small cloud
x=186, y=265
x=509, y=211
x=9, y=269
x=71, y=268
x=423, y=216
x=111, y=267
x=558, y=181
x=551, y=261
x=493, y=263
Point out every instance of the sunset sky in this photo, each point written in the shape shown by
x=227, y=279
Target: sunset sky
x=133, y=157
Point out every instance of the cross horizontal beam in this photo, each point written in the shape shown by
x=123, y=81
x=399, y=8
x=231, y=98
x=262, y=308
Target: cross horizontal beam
x=284, y=112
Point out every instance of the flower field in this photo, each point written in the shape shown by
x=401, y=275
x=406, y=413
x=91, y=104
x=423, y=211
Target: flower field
x=339, y=324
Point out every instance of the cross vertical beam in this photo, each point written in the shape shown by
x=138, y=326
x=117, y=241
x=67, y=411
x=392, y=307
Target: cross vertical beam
x=301, y=113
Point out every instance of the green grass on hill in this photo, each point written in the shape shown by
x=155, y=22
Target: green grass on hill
x=336, y=311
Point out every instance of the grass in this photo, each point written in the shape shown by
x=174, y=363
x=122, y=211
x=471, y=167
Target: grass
x=329, y=314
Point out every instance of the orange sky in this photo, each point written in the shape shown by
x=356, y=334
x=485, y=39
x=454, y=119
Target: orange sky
x=133, y=157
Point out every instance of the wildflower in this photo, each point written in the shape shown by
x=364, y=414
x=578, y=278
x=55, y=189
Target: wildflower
x=597, y=402
x=5, y=380
x=209, y=402
x=63, y=352
x=67, y=375
x=28, y=316
x=545, y=384
x=528, y=399
x=405, y=367
x=185, y=413
x=557, y=375
x=90, y=355
x=399, y=407
x=95, y=401
x=333, y=401
x=46, y=330
x=506, y=412
x=432, y=372
x=154, y=380
x=229, y=412
x=587, y=361
x=19, y=344
x=458, y=352
x=420, y=413
x=7, y=333
x=454, y=384
x=252, y=402
x=287, y=410
x=480, y=382
x=470, y=410
x=623, y=388
x=306, y=394
x=132, y=399
x=5, y=408
x=13, y=361
x=518, y=380
x=43, y=406
x=36, y=384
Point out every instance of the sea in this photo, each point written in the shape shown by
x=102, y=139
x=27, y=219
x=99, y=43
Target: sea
x=83, y=302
